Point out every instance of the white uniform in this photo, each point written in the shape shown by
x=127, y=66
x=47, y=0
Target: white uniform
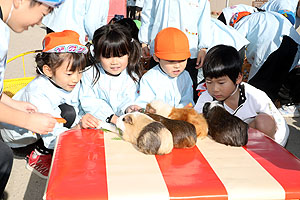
x=46, y=97
x=82, y=16
x=256, y=101
x=265, y=31
x=190, y=16
x=157, y=85
x=110, y=95
x=139, y=3
x=4, y=40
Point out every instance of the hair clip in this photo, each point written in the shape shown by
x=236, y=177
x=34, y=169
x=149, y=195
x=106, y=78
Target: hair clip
x=132, y=40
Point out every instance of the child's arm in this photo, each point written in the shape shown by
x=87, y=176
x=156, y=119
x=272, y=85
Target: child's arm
x=187, y=90
x=146, y=25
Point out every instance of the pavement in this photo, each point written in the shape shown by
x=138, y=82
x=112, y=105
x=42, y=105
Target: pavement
x=23, y=184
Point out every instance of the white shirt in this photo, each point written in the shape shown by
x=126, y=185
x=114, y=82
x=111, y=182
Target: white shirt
x=157, y=85
x=190, y=16
x=230, y=11
x=256, y=102
x=82, y=16
x=265, y=31
x=139, y=3
x=4, y=40
x=110, y=95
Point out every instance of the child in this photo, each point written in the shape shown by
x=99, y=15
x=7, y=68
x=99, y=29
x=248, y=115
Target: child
x=168, y=81
x=55, y=90
x=18, y=16
x=83, y=17
x=191, y=17
x=223, y=77
x=111, y=84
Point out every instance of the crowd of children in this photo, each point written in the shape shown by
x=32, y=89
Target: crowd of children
x=195, y=59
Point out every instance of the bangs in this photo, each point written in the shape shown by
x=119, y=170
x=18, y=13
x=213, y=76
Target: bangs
x=78, y=61
x=114, y=46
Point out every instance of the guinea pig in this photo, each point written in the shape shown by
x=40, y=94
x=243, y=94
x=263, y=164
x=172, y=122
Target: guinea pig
x=186, y=114
x=148, y=135
x=224, y=127
x=184, y=133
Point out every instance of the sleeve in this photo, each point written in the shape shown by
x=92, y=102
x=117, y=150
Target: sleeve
x=90, y=99
x=147, y=92
x=146, y=21
x=204, y=26
x=187, y=91
x=96, y=13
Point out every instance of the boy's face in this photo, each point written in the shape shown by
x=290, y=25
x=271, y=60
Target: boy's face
x=172, y=67
x=23, y=15
x=220, y=88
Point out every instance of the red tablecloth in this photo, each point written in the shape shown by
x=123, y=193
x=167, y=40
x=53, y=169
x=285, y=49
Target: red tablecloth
x=90, y=164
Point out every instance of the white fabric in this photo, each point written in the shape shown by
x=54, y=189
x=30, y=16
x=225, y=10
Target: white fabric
x=230, y=11
x=46, y=97
x=256, y=102
x=4, y=40
x=157, y=85
x=130, y=3
x=139, y=3
x=110, y=95
x=276, y=5
x=265, y=31
x=190, y=16
x=82, y=16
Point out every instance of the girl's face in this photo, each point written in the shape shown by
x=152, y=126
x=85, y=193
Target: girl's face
x=220, y=88
x=23, y=15
x=114, y=65
x=65, y=78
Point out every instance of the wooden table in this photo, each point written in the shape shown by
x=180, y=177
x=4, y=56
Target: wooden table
x=90, y=164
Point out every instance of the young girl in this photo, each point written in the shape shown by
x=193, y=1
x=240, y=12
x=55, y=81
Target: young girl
x=223, y=77
x=111, y=85
x=55, y=90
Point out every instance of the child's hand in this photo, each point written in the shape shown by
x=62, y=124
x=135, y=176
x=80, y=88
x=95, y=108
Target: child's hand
x=200, y=58
x=145, y=51
x=24, y=106
x=132, y=108
x=89, y=121
x=40, y=123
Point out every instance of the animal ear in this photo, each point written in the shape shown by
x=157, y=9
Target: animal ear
x=128, y=120
x=150, y=109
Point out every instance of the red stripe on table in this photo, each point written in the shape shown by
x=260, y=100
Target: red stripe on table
x=280, y=163
x=187, y=174
x=72, y=176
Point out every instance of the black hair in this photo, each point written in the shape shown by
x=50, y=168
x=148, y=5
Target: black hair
x=54, y=60
x=222, y=60
x=114, y=40
x=131, y=26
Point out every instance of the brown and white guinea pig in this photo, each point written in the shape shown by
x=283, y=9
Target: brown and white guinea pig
x=150, y=136
x=224, y=127
x=184, y=133
x=186, y=114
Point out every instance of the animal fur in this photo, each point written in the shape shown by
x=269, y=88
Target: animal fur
x=224, y=127
x=184, y=133
x=149, y=136
x=186, y=114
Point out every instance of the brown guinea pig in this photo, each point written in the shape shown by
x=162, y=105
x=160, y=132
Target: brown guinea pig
x=223, y=127
x=186, y=114
x=149, y=136
x=184, y=133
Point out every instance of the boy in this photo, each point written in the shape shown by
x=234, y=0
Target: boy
x=168, y=81
x=18, y=15
x=223, y=78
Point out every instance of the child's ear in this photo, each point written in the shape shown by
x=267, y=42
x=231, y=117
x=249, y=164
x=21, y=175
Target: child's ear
x=155, y=58
x=17, y=3
x=239, y=79
x=47, y=71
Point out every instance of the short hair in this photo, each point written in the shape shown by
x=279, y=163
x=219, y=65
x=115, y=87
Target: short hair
x=222, y=60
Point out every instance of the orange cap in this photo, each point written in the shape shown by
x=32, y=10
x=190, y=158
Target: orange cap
x=66, y=41
x=171, y=44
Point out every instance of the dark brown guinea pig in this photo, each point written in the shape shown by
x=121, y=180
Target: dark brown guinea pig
x=184, y=133
x=223, y=127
